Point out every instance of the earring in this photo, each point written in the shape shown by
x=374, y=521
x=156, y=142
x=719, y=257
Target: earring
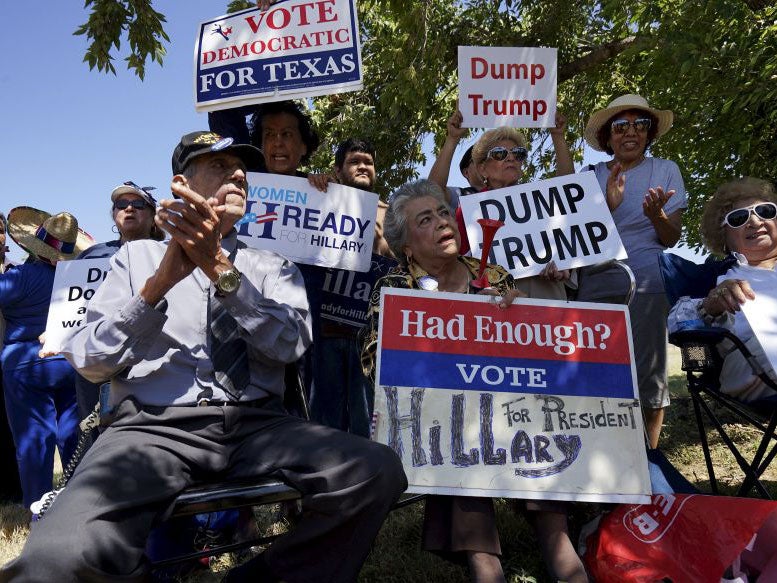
x=485, y=180
x=115, y=229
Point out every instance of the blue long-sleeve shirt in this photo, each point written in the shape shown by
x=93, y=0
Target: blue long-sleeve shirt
x=25, y=294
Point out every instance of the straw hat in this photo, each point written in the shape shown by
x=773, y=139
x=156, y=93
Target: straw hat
x=624, y=103
x=56, y=238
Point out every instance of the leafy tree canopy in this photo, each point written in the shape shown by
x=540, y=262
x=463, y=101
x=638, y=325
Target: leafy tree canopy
x=713, y=62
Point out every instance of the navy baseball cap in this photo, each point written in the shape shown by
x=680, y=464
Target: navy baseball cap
x=199, y=143
x=466, y=159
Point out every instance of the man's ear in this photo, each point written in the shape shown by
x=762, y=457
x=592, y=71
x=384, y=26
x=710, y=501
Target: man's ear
x=339, y=174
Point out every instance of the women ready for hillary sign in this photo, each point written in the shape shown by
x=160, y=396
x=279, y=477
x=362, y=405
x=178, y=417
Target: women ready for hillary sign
x=285, y=214
x=535, y=401
x=296, y=48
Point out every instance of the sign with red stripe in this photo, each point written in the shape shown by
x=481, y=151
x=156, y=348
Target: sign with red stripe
x=538, y=400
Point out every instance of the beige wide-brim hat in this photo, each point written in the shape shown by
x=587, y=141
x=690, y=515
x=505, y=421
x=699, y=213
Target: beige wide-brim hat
x=624, y=103
x=56, y=238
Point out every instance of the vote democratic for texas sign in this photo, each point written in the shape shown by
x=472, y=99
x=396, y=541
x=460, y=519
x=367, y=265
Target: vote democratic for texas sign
x=535, y=401
x=296, y=48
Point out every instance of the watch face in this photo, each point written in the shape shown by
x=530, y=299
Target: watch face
x=228, y=281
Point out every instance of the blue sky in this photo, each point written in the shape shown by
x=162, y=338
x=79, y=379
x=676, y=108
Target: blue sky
x=73, y=134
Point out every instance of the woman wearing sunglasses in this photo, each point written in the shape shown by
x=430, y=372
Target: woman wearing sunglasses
x=646, y=197
x=499, y=157
x=739, y=219
x=460, y=526
x=132, y=210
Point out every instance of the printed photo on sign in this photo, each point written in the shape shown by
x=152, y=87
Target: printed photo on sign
x=74, y=285
x=294, y=49
x=536, y=401
x=563, y=219
x=287, y=215
x=507, y=86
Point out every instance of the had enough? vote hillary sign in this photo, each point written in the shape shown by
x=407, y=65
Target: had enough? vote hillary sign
x=538, y=400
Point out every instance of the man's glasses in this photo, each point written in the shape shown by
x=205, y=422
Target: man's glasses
x=499, y=153
x=138, y=205
x=766, y=211
x=621, y=126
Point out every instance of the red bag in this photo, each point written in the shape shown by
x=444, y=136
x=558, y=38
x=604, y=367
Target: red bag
x=686, y=538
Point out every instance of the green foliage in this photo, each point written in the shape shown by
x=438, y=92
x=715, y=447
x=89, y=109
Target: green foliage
x=713, y=62
x=108, y=21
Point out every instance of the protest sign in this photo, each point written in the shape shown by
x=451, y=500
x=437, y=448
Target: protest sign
x=74, y=285
x=507, y=86
x=538, y=400
x=563, y=219
x=287, y=215
x=296, y=48
x=761, y=313
x=343, y=296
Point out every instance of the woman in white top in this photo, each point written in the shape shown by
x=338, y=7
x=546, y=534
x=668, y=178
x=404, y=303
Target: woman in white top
x=740, y=218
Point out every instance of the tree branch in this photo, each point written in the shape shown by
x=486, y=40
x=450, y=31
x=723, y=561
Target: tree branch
x=756, y=5
x=602, y=54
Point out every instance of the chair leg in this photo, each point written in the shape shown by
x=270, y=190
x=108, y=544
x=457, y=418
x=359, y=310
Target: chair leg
x=744, y=465
x=760, y=468
x=705, y=446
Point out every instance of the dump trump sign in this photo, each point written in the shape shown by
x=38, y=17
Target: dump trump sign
x=507, y=86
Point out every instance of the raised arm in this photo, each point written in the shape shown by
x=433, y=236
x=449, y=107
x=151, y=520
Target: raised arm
x=564, y=164
x=441, y=168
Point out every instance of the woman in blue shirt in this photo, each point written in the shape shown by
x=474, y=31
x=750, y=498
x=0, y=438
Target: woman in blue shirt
x=39, y=392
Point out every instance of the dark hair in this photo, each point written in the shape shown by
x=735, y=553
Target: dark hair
x=466, y=159
x=309, y=136
x=603, y=135
x=352, y=145
x=4, y=221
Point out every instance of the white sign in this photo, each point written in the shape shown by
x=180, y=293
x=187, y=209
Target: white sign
x=563, y=219
x=761, y=313
x=538, y=400
x=296, y=48
x=287, y=215
x=507, y=86
x=74, y=285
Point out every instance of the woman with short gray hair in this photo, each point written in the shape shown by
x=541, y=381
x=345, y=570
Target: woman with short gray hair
x=424, y=236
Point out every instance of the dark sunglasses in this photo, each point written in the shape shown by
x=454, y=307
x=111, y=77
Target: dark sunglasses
x=766, y=211
x=138, y=205
x=499, y=153
x=621, y=126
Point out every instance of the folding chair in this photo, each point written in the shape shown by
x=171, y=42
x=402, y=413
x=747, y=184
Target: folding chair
x=260, y=491
x=702, y=362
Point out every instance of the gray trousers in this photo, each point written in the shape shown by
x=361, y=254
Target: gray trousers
x=97, y=528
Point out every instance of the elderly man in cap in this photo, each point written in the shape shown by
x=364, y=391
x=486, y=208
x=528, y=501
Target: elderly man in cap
x=194, y=335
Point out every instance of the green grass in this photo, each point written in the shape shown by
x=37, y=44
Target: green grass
x=397, y=556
